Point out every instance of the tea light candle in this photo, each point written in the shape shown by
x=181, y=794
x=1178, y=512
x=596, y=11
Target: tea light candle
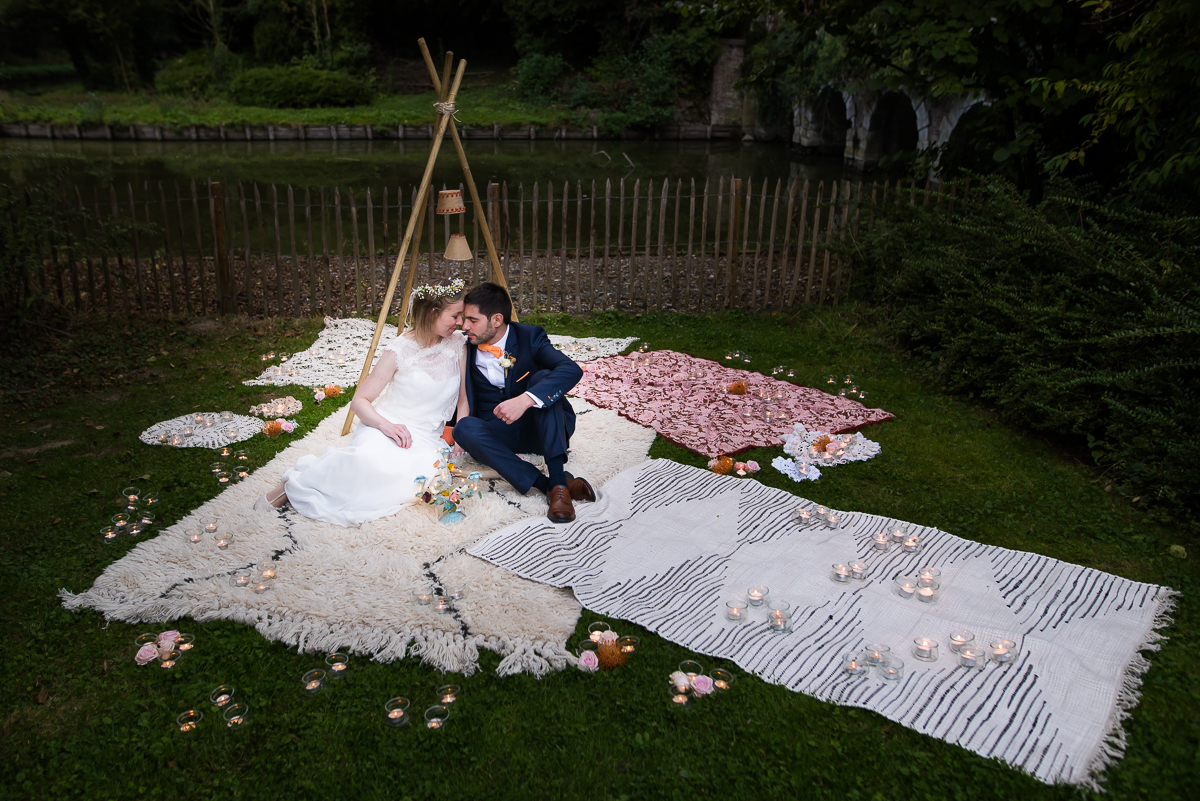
x=911, y=544
x=198, y=419
x=120, y=522
x=187, y=431
x=235, y=715
x=177, y=440
x=224, y=451
x=779, y=622
x=185, y=642
x=858, y=569
x=163, y=439
x=876, y=653
x=396, y=710
x=1003, y=652
x=722, y=679
x=313, y=681
x=803, y=515
x=898, y=534
x=840, y=574
x=791, y=373
x=931, y=573
x=189, y=720
x=338, y=664
x=261, y=587
x=735, y=611
x=231, y=433
x=167, y=658
x=960, y=638
x=240, y=472
x=435, y=717
x=927, y=590
x=266, y=571
x=855, y=665
x=880, y=541
x=596, y=629
x=443, y=605
x=216, y=467
x=221, y=696
x=757, y=595
x=457, y=594
x=241, y=578
x=925, y=649
x=906, y=587
x=223, y=543
x=679, y=698
x=241, y=456
x=891, y=669
x=207, y=423
x=628, y=644
x=971, y=656
x=423, y=596
x=192, y=536
x=448, y=693
x=110, y=533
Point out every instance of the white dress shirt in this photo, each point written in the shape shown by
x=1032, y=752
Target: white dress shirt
x=490, y=367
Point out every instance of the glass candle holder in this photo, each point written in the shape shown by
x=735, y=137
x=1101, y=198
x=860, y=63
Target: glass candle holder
x=1003, y=652
x=790, y=373
x=628, y=645
x=840, y=574
x=187, y=432
x=803, y=515
x=972, y=656
x=151, y=499
x=206, y=422
x=222, y=541
x=226, y=416
x=875, y=653
x=855, y=664
x=177, y=440
x=423, y=596
x=858, y=570
x=927, y=590
x=221, y=696
x=235, y=715
x=210, y=525
x=163, y=438
x=146, y=639
x=224, y=451
x=267, y=571
x=192, y=536
x=189, y=720
x=216, y=467
x=241, y=456
x=442, y=605
x=131, y=494
x=736, y=611
x=891, y=669
x=109, y=533
x=314, y=681
x=898, y=534
x=881, y=541
x=929, y=573
x=770, y=416
x=231, y=433
x=757, y=595
x=448, y=693
x=395, y=712
x=747, y=413
x=596, y=629
x=586, y=645
x=456, y=595
x=680, y=697
x=137, y=528
x=911, y=544
x=925, y=649
x=241, y=578
x=198, y=419
x=745, y=358
x=185, y=642
x=224, y=477
x=905, y=586
x=436, y=717
x=241, y=473
x=722, y=680
x=779, y=621
x=960, y=638
x=146, y=519
x=121, y=522
x=168, y=659
x=690, y=668
x=338, y=664
x=729, y=354
x=260, y=587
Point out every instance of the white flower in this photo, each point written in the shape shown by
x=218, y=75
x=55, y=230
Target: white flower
x=608, y=637
x=507, y=361
x=679, y=679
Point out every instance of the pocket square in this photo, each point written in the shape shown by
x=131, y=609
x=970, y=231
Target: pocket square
x=521, y=377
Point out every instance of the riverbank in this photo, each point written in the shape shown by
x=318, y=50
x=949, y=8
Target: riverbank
x=484, y=113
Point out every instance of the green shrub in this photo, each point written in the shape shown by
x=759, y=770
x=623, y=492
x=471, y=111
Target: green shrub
x=298, y=87
x=1071, y=317
x=538, y=75
x=189, y=75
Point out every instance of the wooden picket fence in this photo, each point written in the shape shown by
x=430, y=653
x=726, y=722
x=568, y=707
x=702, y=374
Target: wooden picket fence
x=208, y=249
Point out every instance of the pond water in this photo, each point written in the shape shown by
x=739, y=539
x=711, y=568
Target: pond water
x=359, y=163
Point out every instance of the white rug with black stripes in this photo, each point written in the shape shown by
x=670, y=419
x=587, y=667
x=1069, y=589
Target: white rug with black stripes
x=667, y=545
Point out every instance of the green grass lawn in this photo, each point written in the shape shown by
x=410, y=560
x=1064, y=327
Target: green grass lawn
x=82, y=720
x=71, y=105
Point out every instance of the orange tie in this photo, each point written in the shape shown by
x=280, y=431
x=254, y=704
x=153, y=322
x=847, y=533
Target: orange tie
x=492, y=349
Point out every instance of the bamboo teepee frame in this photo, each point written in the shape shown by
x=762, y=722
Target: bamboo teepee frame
x=446, y=95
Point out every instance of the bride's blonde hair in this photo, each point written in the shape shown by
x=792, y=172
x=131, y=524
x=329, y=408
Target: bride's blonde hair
x=427, y=304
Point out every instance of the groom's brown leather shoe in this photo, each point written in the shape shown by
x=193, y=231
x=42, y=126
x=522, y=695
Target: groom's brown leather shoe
x=561, y=509
x=580, y=489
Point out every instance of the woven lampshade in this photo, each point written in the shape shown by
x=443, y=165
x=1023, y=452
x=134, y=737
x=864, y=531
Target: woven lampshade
x=458, y=249
x=450, y=201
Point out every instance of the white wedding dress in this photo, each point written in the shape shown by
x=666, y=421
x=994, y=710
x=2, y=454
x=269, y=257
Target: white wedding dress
x=372, y=476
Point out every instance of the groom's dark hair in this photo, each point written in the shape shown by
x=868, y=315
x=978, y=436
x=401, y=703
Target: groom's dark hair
x=490, y=299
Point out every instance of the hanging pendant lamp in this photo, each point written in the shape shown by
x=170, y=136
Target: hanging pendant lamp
x=450, y=201
x=458, y=249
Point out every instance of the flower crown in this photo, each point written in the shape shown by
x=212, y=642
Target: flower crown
x=427, y=291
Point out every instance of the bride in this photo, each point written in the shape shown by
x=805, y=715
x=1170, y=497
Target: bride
x=420, y=378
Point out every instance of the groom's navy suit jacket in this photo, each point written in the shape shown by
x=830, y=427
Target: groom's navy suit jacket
x=539, y=368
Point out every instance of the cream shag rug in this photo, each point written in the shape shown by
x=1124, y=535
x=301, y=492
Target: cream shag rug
x=667, y=545
x=351, y=587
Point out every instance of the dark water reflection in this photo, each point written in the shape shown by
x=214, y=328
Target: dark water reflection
x=401, y=163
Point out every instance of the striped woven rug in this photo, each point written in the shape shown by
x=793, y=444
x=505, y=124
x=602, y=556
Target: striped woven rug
x=666, y=546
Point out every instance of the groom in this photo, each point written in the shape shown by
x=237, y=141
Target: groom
x=516, y=389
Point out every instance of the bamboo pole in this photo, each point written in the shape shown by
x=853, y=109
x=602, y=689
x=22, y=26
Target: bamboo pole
x=337, y=234
x=633, y=230
x=718, y=294
x=110, y=308
x=155, y=272
x=620, y=236
x=837, y=291
x=521, y=243
x=440, y=132
x=735, y=228
x=675, y=246
x=137, y=254
x=700, y=270
x=199, y=252
x=225, y=300
x=122, y=280
x=549, y=246
x=328, y=306
x=799, y=244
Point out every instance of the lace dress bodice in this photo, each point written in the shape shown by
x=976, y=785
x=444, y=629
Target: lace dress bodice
x=423, y=392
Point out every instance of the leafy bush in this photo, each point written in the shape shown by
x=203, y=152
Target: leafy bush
x=1073, y=318
x=189, y=75
x=298, y=87
x=538, y=75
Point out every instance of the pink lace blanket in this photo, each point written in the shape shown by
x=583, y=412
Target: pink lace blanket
x=701, y=415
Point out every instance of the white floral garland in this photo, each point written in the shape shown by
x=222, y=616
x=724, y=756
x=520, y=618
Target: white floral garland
x=842, y=448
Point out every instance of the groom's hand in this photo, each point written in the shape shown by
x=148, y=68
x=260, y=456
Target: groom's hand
x=511, y=410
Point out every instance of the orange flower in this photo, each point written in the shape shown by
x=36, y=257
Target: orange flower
x=332, y=390
x=722, y=465
x=273, y=428
x=820, y=443
x=737, y=387
x=610, y=656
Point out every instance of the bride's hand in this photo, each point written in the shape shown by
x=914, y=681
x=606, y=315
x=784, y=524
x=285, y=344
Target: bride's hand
x=397, y=433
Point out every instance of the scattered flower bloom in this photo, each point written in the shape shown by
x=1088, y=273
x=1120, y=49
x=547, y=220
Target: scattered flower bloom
x=589, y=662
x=146, y=654
x=832, y=447
x=608, y=637
x=737, y=388
x=752, y=467
x=332, y=390
x=722, y=464
x=287, y=426
x=319, y=395
x=702, y=685
x=679, y=679
x=168, y=636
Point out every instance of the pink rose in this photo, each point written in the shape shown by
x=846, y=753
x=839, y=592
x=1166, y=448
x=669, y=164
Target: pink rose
x=146, y=654
x=752, y=467
x=319, y=395
x=832, y=447
x=589, y=662
x=608, y=637
x=702, y=685
x=287, y=425
x=168, y=637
